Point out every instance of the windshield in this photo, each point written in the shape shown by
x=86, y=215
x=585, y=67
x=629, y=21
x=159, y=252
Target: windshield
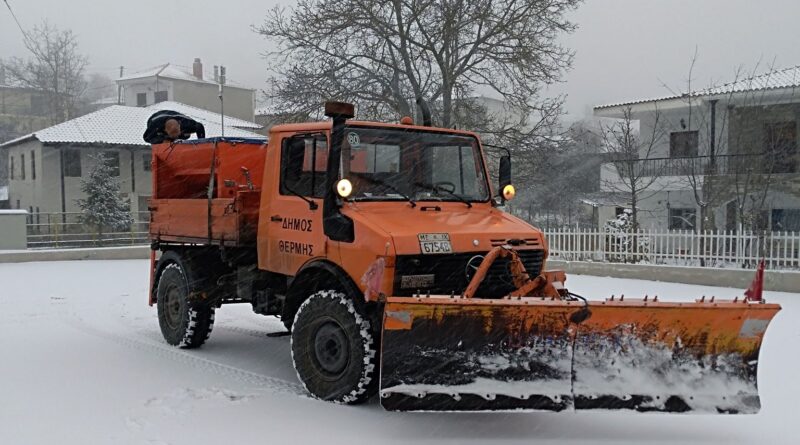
x=388, y=164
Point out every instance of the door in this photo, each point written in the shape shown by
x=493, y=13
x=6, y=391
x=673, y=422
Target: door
x=294, y=215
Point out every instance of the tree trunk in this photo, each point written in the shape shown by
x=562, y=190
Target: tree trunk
x=447, y=104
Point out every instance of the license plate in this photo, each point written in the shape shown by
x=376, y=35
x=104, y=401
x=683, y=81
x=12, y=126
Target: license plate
x=432, y=243
x=416, y=281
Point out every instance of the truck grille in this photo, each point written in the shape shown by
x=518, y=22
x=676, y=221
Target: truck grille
x=449, y=276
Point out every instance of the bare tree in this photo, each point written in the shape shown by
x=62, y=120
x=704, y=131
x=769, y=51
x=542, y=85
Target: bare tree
x=395, y=56
x=56, y=68
x=625, y=146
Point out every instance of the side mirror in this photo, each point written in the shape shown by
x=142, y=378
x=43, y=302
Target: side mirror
x=505, y=171
x=507, y=191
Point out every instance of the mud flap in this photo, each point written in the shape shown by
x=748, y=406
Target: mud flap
x=441, y=354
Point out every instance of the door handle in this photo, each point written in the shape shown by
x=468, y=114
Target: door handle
x=275, y=218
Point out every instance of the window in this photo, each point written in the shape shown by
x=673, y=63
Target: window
x=423, y=166
x=786, y=220
x=160, y=96
x=143, y=202
x=72, y=162
x=12, y=167
x=141, y=99
x=304, y=160
x=683, y=144
x=450, y=163
x=780, y=141
x=112, y=160
x=146, y=162
x=33, y=164
x=681, y=219
x=22, y=166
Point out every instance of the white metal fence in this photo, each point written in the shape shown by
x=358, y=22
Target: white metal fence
x=48, y=230
x=678, y=247
x=675, y=247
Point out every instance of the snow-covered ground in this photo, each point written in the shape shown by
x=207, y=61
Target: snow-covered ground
x=82, y=362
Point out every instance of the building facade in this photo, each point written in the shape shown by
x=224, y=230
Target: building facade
x=193, y=87
x=727, y=155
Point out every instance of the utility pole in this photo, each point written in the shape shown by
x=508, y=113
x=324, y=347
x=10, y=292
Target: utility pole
x=119, y=85
x=221, y=101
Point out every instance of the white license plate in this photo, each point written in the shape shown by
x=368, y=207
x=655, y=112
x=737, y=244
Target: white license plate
x=433, y=243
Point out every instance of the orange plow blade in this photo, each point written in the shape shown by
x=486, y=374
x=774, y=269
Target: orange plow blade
x=523, y=353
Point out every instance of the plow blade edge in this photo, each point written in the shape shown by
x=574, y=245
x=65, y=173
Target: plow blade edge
x=445, y=354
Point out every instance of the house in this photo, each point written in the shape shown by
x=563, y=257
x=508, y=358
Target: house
x=728, y=154
x=193, y=87
x=46, y=166
x=22, y=110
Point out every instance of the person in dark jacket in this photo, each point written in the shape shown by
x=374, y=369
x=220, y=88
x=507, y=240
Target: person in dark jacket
x=168, y=125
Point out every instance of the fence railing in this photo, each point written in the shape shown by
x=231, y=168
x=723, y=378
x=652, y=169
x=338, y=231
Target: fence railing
x=50, y=230
x=708, y=165
x=678, y=247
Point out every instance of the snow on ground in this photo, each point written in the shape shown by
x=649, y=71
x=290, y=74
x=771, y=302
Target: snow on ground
x=82, y=362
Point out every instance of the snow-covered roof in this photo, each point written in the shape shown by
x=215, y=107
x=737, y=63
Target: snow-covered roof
x=172, y=71
x=772, y=80
x=123, y=125
x=199, y=113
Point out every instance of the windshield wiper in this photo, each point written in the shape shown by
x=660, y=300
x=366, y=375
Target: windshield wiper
x=387, y=185
x=436, y=188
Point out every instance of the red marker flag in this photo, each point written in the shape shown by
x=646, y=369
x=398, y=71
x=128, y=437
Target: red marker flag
x=753, y=293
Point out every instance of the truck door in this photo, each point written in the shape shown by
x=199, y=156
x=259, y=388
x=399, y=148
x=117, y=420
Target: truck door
x=295, y=232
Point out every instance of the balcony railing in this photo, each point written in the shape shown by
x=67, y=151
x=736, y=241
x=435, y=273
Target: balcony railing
x=760, y=163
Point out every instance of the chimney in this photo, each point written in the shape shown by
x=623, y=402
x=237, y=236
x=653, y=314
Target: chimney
x=216, y=73
x=197, y=68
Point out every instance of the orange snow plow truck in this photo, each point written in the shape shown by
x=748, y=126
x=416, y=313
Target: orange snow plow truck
x=385, y=251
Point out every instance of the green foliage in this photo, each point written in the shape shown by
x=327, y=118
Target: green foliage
x=103, y=207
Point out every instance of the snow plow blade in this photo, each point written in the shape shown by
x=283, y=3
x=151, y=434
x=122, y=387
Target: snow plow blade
x=444, y=353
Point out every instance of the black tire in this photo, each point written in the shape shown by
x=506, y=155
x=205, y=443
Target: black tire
x=183, y=323
x=333, y=349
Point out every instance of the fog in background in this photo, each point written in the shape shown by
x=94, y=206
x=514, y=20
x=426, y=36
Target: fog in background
x=625, y=49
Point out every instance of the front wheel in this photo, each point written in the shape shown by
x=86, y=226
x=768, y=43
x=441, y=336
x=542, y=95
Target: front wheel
x=183, y=323
x=333, y=349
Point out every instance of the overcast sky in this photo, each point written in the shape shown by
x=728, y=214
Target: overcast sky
x=625, y=49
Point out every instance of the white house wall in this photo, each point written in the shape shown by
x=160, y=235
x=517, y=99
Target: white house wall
x=239, y=102
x=44, y=192
x=132, y=89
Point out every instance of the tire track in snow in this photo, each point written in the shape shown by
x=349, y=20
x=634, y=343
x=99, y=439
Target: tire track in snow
x=265, y=382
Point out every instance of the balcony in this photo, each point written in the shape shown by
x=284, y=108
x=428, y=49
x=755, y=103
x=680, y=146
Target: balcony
x=760, y=163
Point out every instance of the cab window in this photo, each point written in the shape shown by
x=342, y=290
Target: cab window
x=304, y=159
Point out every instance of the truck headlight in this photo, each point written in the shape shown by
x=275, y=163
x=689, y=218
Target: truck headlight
x=509, y=192
x=344, y=188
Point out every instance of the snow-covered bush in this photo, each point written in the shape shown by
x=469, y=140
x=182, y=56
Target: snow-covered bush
x=103, y=208
x=623, y=242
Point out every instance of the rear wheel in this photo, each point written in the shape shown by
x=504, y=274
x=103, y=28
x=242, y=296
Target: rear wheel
x=183, y=323
x=333, y=349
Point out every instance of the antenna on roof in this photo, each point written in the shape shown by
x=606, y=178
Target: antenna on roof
x=221, y=81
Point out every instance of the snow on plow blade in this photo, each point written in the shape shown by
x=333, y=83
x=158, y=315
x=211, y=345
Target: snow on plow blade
x=459, y=354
